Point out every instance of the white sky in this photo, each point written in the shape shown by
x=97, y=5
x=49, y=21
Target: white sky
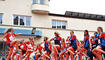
x=85, y=6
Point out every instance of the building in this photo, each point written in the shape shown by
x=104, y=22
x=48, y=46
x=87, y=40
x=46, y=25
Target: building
x=33, y=19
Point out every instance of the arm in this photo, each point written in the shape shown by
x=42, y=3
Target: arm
x=67, y=38
x=61, y=39
x=41, y=43
x=42, y=48
x=52, y=39
x=78, y=43
x=90, y=41
x=18, y=34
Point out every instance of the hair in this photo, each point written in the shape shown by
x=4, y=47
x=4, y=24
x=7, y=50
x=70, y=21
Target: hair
x=87, y=32
x=95, y=32
x=56, y=33
x=17, y=42
x=72, y=32
x=8, y=30
x=101, y=29
x=38, y=45
x=82, y=42
x=45, y=38
x=21, y=42
x=49, y=42
x=30, y=39
x=63, y=40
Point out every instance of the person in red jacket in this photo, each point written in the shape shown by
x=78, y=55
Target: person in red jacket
x=17, y=52
x=72, y=40
x=30, y=48
x=10, y=40
x=63, y=49
x=100, y=49
x=57, y=41
x=23, y=47
x=38, y=50
x=46, y=54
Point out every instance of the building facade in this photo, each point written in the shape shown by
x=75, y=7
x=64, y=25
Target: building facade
x=27, y=16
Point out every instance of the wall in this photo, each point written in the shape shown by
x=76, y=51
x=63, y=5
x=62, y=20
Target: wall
x=21, y=7
x=80, y=24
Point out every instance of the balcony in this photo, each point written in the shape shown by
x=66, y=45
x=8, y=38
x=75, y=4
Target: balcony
x=40, y=8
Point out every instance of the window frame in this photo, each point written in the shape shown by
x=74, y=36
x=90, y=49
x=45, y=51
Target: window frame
x=23, y=20
x=41, y=2
x=60, y=23
x=35, y=2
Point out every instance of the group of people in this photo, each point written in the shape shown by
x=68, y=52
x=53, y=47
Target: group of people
x=92, y=48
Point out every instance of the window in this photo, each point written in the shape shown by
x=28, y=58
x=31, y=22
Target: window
x=42, y=1
x=28, y=21
x=38, y=1
x=22, y=20
x=81, y=15
x=35, y=1
x=1, y=15
x=93, y=16
x=59, y=24
x=87, y=15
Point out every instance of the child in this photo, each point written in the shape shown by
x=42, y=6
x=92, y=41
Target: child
x=23, y=47
x=57, y=45
x=94, y=42
x=101, y=47
x=63, y=49
x=30, y=48
x=17, y=51
x=87, y=44
x=72, y=40
x=10, y=40
x=38, y=51
x=48, y=48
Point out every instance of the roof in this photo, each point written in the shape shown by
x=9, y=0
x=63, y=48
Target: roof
x=24, y=32
x=80, y=15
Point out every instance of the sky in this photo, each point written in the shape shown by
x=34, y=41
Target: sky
x=85, y=6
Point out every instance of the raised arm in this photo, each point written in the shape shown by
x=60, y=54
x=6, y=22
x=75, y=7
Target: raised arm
x=41, y=43
x=51, y=39
x=18, y=34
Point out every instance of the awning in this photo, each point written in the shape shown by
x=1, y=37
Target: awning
x=24, y=32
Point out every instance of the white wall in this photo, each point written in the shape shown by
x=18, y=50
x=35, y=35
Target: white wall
x=41, y=21
x=21, y=7
x=11, y=7
x=80, y=24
